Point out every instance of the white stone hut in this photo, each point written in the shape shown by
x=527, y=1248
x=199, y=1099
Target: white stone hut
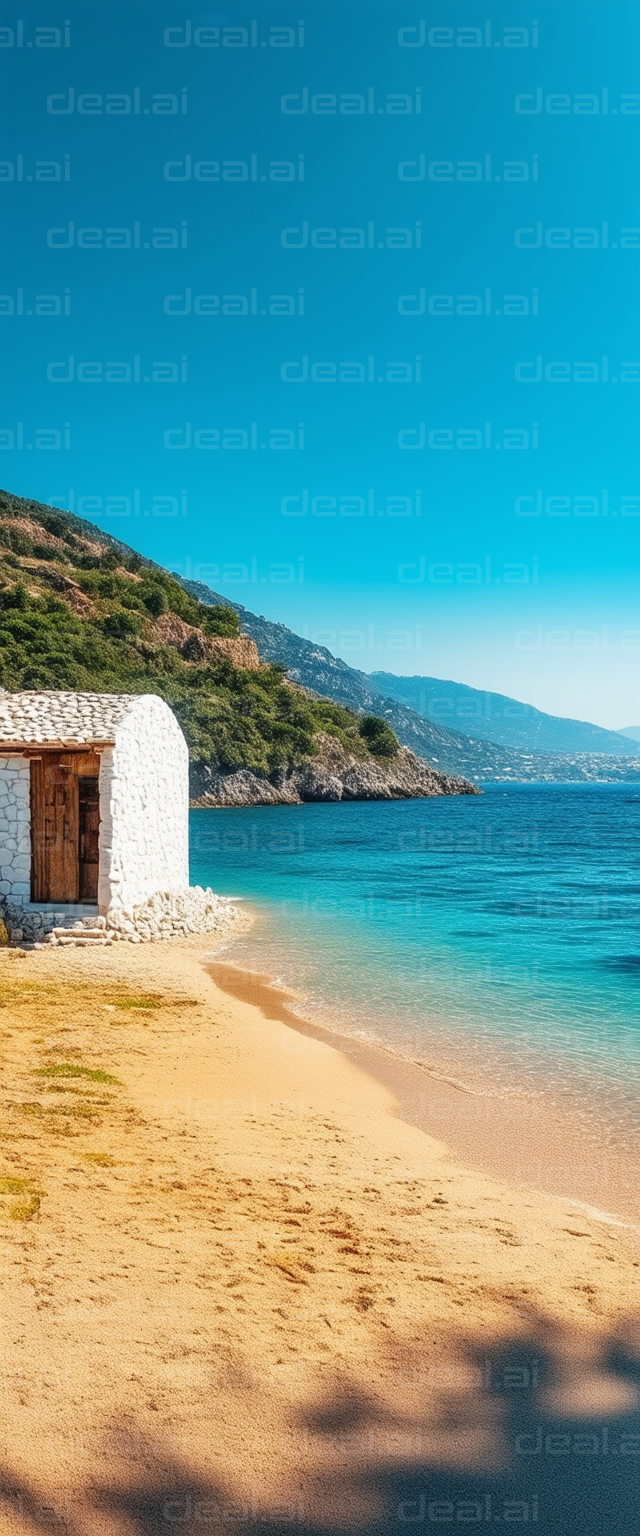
x=94, y=801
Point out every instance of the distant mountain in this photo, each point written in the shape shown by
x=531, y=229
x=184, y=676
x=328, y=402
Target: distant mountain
x=498, y=718
x=450, y=750
x=632, y=731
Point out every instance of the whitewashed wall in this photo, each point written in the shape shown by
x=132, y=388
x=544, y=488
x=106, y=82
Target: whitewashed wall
x=15, y=838
x=144, y=808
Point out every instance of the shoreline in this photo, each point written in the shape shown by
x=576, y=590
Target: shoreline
x=522, y=1140
x=242, y=1290
x=523, y=1035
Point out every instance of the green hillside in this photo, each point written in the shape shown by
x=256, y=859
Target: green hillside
x=79, y=611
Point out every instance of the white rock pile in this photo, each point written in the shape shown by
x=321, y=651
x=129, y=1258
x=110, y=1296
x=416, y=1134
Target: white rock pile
x=168, y=916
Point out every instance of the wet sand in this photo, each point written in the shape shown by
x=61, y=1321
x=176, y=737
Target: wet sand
x=519, y=1139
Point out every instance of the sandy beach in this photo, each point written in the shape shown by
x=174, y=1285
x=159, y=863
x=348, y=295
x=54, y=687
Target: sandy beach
x=532, y=1140
x=241, y=1291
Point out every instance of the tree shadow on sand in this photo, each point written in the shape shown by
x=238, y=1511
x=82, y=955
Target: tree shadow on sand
x=539, y=1434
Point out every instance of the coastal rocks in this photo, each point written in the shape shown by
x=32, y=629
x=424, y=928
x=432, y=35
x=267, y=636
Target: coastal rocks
x=240, y=789
x=368, y=783
x=318, y=783
x=333, y=775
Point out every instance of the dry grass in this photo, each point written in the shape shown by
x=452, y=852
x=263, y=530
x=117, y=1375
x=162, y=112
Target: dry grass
x=71, y=1069
x=20, y=1210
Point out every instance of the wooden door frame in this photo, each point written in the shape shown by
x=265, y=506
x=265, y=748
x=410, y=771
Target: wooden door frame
x=88, y=869
x=80, y=762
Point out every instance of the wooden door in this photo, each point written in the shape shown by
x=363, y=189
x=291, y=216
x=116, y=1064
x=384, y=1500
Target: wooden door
x=89, y=826
x=54, y=828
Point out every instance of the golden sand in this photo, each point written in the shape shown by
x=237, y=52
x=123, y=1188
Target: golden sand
x=241, y=1291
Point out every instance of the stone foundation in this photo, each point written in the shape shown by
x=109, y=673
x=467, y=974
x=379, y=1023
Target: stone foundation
x=29, y=926
x=162, y=916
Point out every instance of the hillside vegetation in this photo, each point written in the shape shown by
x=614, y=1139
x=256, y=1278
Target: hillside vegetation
x=450, y=751
x=79, y=611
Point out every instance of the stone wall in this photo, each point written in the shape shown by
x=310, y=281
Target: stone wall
x=26, y=924
x=144, y=803
x=15, y=838
x=144, y=808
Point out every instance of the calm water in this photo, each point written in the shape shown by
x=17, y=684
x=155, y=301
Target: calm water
x=494, y=937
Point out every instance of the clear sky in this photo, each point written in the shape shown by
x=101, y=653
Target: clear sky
x=336, y=308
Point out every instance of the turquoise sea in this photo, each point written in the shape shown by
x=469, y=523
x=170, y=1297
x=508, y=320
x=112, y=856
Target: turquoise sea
x=493, y=937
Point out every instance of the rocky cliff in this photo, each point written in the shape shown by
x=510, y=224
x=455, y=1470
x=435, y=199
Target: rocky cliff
x=334, y=774
x=194, y=646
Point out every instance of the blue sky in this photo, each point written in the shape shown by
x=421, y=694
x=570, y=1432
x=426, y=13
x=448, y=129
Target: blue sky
x=351, y=295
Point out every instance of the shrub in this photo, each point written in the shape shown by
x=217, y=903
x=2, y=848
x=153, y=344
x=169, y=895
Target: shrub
x=120, y=625
x=16, y=597
x=155, y=600
x=218, y=620
x=378, y=736
x=97, y=584
x=109, y=586
x=54, y=523
x=132, y=599
x=49, y=552
x=16, y=539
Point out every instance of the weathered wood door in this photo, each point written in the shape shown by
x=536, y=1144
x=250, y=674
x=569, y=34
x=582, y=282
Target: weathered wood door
x=64, y=836
x=89, y=816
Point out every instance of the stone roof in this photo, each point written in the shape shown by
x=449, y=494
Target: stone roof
x=67, y=719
